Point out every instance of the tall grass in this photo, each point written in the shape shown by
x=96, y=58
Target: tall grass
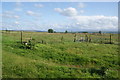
x=56, y=59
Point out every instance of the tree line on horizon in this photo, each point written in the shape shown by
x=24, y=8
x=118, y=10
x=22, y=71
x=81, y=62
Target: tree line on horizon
x=52, y=31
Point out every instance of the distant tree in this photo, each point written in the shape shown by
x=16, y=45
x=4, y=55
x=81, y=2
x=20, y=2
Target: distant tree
x=66, y=31
x=6, y=30
x=84, y=32
x=100, y=32
x=50, y=30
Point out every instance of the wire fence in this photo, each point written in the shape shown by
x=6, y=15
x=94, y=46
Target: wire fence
x=39, y=37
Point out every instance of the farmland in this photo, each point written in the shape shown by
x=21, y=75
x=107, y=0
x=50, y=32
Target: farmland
x=56, y=55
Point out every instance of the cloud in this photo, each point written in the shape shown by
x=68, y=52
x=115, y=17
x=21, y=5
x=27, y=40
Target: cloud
x=78, y=22
x=31, y=13
x=58, y=10
x=15, y=16
x=6, y=16
x=18, y=4
x=67, y=11
x=81, y=5
x=88, y=23
x=16, y=22
x=99, y=22
x=18, y=9
x=38, y=5
x=81, y=11
x=10, y=14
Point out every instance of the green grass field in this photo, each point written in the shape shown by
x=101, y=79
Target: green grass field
x=59, y=59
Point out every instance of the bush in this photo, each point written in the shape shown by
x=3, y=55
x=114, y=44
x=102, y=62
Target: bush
x=30, y=44
x=111, y=74
x=100, y=71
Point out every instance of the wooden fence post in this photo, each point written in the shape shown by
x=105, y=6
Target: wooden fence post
x=86, y=38
x=110, y=38
x=21, y=36
x=75, y=38
x=61, y=38
x=89, y=39
x=42, y=41
x=101, y=41
x=30, y=38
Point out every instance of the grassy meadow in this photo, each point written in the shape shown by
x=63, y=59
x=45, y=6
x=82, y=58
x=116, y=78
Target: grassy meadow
x=56, y=55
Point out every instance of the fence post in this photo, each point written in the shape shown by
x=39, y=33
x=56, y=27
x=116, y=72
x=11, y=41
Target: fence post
x=75, y=38
x=86, y=38
x=30, y=38
x=42, y=41
x=21, y=36
x=61, y=38
x=89, y=39
x=101, y=41
x=110, y=38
